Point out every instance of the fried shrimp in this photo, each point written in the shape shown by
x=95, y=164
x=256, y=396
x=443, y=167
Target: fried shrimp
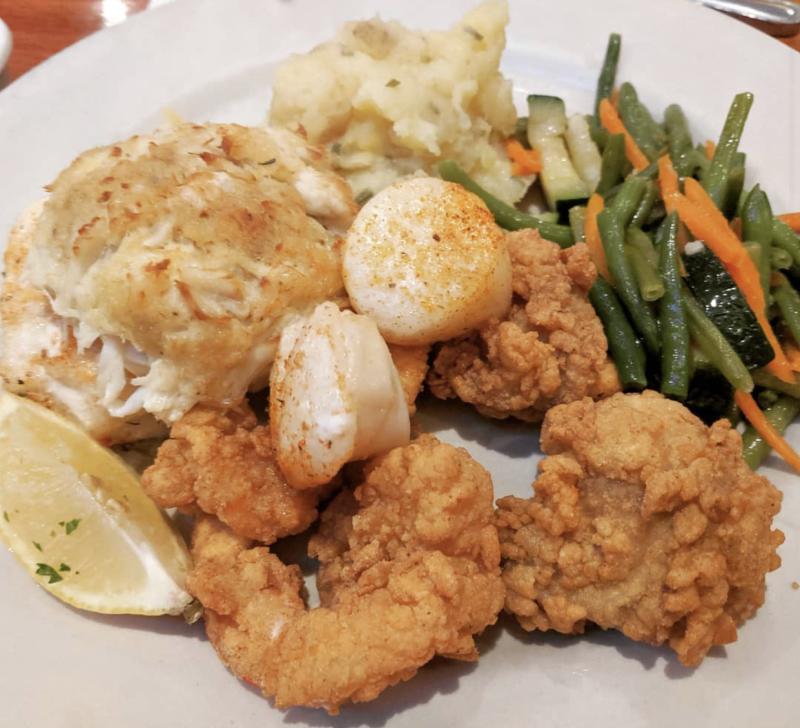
x=549, y=349
x=410, y=569
x=643, y=520
x=223, y=463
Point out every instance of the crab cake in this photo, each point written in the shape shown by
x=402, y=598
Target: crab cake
x=171, y=263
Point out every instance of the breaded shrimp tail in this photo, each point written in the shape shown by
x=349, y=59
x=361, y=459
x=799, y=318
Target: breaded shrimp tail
x=410, y=569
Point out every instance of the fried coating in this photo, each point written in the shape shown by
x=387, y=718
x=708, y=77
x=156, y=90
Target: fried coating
x=224, y=464
x=411, y=363
x=410, y=569
x=643, y=520
x=550, y=349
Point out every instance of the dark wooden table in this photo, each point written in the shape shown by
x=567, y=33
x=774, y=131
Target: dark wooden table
x=43, y=27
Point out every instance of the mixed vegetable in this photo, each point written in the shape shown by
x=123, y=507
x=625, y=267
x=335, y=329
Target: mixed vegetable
x=698, y=279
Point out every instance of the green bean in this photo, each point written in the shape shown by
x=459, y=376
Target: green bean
x=657, y=213
x=641, y=240
x=507, y=217
x=716, y=181
x=608, y=71
x=698, y=359
x=698, y=162
x=733, y=192
x=740, y=203
x=779, y=259
x=788, y=302
x=764, y=379
x=625, y=281
x=784, y=238
x=642, y=214
x=672, y=315
x=651, y=287
x=780, y=416
x=766, y=398
x=648, y=173
x=756, y=218
x=577, y=221
x=714, y=345
x=612, y=163
x=627, y=200
x=638, y=121
x=732, y=413
x=679, y=139
x=598, y=133
x=626, y=350
x=762, y=261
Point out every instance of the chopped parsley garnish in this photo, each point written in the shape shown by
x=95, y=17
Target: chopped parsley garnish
x=392, y=83
x=5, y=516
x=37, y=545
x=269, y=161
x=64, y=567
x=50, y=572
x=70, y=526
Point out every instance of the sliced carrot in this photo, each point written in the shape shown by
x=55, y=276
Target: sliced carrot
x=793, y=355
x=668, y=183
x=592, y=234
x=611, y=121
x=523, y=161
x=615, y=97
x=698, y=211
x=710, y=148
x=792, y=219
x=736, y=226
x=761, y=424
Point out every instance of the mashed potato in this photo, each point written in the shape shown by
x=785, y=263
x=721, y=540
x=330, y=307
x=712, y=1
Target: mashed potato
x=162, y=270
x=391, y=101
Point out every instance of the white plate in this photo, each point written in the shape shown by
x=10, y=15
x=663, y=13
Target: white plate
x=214, y=60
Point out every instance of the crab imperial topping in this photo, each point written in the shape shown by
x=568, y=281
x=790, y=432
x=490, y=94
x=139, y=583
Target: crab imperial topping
x=177, y=258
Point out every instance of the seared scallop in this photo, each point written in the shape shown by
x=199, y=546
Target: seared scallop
x=426, y=261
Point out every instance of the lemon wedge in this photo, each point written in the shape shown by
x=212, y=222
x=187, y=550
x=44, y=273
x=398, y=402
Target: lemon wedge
x=77, y=519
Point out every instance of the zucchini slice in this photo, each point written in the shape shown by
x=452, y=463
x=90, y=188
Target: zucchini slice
x=583, y=150
x=725, y=305
x=547, y=117
x=710, y=395
x=547, y=123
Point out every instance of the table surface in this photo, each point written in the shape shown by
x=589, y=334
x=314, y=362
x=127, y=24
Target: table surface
x=43, y=27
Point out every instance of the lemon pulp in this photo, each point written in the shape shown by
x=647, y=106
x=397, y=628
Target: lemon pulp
x=78, y=520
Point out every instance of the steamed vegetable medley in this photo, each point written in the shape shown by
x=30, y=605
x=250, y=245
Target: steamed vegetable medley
x=698, y=278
